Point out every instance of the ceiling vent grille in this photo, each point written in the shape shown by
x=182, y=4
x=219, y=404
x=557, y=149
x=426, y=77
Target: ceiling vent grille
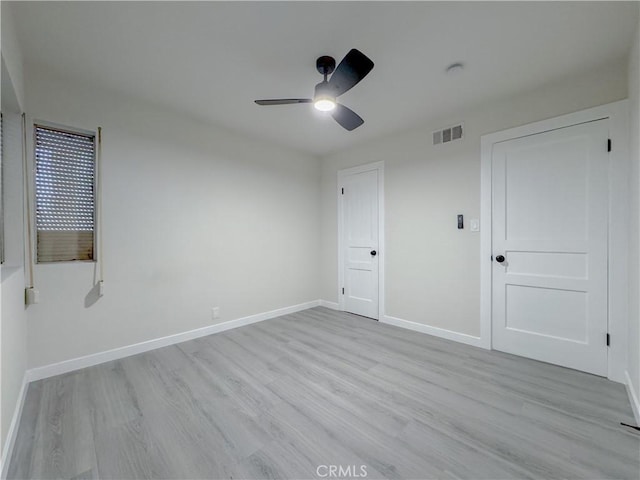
x=448, y=134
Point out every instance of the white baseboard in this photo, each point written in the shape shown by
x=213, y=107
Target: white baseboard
x=328, y=304
x=7, y=451
x=435, y=331
x=633, y=397
x=54, y=369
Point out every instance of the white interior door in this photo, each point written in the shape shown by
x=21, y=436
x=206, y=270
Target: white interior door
x=549, y=242
x=360, y=242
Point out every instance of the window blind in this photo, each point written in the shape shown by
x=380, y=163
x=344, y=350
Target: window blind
x=65, y=195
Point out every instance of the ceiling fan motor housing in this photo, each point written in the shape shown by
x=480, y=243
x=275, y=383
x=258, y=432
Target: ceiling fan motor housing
x=324, y=98
x=324, y=91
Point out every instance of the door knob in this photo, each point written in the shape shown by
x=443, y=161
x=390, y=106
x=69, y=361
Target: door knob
x=500, y=258
x=373, y=253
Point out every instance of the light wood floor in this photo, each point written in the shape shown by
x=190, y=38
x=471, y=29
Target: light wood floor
x=280, y=398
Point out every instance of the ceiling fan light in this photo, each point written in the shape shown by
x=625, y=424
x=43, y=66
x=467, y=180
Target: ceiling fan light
x=324, y=104
x=324, y=99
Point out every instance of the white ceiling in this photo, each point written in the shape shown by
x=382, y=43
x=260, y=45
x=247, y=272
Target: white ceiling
x=213, y=59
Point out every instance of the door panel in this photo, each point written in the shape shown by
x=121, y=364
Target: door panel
x=542, y=176
x=550, y=222
x=360, y=238
x=547, y=311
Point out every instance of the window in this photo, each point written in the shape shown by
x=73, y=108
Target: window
x=65, y=194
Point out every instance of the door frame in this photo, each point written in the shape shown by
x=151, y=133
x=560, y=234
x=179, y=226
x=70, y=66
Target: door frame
x=617, y=113
x=379, y=166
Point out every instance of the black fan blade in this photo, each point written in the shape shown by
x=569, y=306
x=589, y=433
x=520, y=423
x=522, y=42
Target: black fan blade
x=283, y=101
x=353, y=68
x=346, y=117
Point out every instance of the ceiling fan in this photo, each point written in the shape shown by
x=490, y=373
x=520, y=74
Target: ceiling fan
x=353, y=68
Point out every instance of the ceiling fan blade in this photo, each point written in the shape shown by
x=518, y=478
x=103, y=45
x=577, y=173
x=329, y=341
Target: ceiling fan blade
x=346, y=117
x=283, y=101
x=353, y=68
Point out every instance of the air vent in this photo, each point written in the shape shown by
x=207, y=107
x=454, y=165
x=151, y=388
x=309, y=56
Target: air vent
x=447, y=135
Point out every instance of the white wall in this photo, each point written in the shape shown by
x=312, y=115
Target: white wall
x=433, y=269
x=634, y=221
x=13, y=316
x=11, y=51
x=194, y=217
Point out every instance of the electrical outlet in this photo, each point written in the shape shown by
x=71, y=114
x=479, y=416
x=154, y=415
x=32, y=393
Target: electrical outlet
x=32, y=296
x=215, y=313
x=475, y=225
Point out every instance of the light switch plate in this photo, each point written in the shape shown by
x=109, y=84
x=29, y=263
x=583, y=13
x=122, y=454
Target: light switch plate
x=474, y=224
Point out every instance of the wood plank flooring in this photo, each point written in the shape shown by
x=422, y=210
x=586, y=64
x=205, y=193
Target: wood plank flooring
x=279, y=399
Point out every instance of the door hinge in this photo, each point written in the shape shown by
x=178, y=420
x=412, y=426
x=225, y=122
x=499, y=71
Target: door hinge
x=608, y=145
x=343, y=290
x=342, y=190
x=608, y=340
